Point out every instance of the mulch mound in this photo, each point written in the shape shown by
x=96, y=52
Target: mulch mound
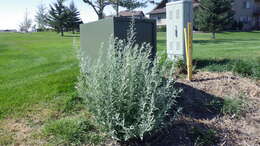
x=242, y=130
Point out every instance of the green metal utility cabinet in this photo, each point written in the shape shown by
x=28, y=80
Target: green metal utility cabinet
x=95, y=34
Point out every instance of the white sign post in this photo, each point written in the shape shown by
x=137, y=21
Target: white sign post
x=178, y=15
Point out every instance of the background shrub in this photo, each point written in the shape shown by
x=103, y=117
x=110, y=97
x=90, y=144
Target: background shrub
x=246, y=68
x=161, y=28
x=125, y=90
x=233, y=106
x=180, y=67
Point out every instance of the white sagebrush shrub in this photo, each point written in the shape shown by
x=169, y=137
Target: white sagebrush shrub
x=126, y=91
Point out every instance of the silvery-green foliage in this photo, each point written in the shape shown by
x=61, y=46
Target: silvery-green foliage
x=128, y=93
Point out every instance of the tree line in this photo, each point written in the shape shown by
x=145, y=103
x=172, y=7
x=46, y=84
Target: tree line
x=62, y=18
x=211, y=15
x=59, y=17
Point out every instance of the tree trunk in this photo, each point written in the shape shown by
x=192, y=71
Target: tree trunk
x=62, y=33
x=117, y=8
x=213, y=35
x=100, y=15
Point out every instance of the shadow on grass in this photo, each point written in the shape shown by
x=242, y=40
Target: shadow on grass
x=220, y=41
x=214, y=64
x=3, y=47
x=71, y=36
x=245, y=68
x=257, y=32
x=216, y=41
x=161, y=42
x=188, y=130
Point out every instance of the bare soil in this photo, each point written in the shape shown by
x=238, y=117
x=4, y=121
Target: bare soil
x=244, y=130
x=23, y=131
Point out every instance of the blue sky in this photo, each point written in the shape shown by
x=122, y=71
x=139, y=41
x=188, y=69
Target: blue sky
x=12, y=11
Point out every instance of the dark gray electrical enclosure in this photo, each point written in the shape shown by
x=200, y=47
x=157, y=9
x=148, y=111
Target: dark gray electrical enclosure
x=95, y=34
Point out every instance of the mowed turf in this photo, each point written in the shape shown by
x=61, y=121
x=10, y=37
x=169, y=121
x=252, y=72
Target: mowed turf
x=34, y=68
x=238, y=52
x=227, y=45
x=39, y=67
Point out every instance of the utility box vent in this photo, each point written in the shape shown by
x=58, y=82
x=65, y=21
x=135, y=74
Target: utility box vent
x=96, y=34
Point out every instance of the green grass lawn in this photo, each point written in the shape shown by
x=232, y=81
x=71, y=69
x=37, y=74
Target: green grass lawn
x=34, y=68
x=229, y=51
x=38, y=67
x=228, y=45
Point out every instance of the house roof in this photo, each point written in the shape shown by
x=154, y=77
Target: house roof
x=158, y=11
x=161, y=7
x=131, y=13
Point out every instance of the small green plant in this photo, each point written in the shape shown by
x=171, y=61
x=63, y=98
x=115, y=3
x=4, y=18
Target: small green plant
x=180, y=66
x=232, y=106
x=203, y=137
x=246, y=69
x=73, y=104
x=214, y=105
x=228, y=106
x=237, y=66
x=161, y=29
x=5, y=138
x=72, y=131
x=127, y=92
x=243, y=68
x=256, y=68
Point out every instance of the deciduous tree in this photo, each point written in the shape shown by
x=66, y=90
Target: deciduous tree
x=128, y=4
x=26, y=24
x=98, y=6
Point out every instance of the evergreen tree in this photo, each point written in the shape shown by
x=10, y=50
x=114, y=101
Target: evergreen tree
x=58, y=16
x=214, y=15
x=41, y=17
x=73, y=18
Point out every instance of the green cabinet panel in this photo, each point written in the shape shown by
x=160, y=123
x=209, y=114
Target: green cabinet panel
x=95, y=34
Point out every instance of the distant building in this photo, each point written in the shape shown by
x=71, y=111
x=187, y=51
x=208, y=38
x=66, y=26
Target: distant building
x=8, y=30
x=159, y=12
x=247, y=12
x=159, y=15
x=135, y=14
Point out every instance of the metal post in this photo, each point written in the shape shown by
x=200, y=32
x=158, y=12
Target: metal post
x=188, y=49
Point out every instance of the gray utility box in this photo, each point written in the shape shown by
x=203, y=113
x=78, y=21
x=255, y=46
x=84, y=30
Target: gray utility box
x=178, y=14
x=95, y=34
